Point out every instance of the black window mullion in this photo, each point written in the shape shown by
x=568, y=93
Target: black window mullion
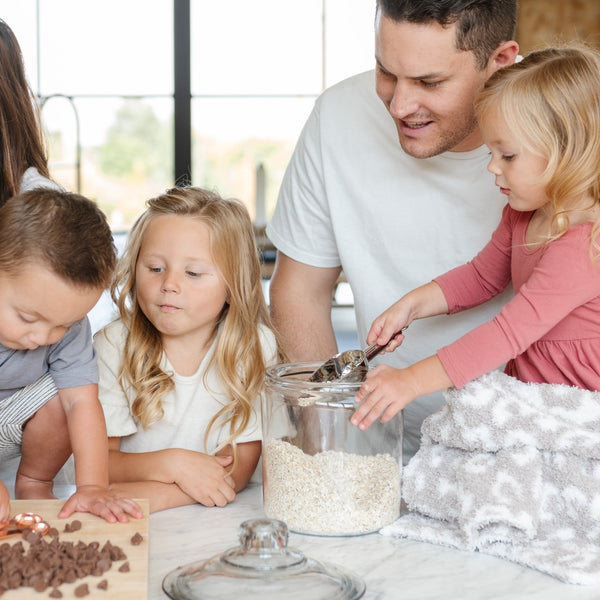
x=183, y=92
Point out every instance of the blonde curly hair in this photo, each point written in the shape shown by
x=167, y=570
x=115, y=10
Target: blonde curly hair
x=551, y=100
x=238, y=354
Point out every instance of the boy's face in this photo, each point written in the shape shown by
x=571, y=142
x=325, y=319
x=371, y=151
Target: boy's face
x=37, y=307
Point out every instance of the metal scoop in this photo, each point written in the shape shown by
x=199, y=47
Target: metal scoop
x=350, y=365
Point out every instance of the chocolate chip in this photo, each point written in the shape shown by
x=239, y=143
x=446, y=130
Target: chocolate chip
x=48, y=564
x=74, y=525
x=82, y=590
x=103, y=585
x=137, y=539
x=124, y=568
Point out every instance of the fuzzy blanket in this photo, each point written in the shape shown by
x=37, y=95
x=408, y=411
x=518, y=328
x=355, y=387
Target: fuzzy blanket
x=513, y=470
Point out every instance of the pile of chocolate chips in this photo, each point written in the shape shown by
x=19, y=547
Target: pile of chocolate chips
x=48, y=564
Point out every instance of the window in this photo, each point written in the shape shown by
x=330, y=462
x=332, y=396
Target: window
x=104, y=72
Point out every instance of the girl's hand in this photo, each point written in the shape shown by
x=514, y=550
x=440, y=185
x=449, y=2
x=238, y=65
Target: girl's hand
x=204, y=477
x=4, y=503
x=425, y=301
x=385, y=392
x=102, y=502
x=387, y=328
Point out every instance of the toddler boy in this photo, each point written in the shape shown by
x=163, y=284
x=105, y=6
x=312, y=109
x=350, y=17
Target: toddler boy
x=56, y=257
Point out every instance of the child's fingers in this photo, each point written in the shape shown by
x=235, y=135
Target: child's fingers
x=68, y=508
x=121, y=507
x=368, y=411
x=131, y=507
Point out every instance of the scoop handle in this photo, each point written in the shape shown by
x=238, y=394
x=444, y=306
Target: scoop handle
x=374, y=349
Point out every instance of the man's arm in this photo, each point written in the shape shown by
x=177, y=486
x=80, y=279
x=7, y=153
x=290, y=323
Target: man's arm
x=300, y=299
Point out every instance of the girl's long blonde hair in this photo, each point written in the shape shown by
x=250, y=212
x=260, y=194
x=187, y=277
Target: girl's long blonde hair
x=551, y=100
x=238, y=355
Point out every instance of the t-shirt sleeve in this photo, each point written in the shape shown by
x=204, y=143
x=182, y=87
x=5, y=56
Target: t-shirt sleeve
x=109, y=344
x=564, y=279
x=301, y=225
x=72, y=360
x=253, y=430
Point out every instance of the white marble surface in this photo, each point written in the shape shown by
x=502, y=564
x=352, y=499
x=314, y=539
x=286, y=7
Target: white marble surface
x=390, y=568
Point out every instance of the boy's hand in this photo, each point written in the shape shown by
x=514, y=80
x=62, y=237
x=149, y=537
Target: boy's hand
x=102, y=502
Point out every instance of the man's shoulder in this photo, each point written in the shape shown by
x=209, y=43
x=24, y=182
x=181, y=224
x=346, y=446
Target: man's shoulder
x=356, y=89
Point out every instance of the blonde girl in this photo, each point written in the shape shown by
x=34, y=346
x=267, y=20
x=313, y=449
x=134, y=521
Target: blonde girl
x=540, y=119
x=181, y=370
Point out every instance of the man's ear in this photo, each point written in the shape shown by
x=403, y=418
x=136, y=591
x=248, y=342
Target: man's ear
x=504, y=55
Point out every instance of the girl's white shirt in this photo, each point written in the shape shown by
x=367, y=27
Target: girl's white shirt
x=187, y=410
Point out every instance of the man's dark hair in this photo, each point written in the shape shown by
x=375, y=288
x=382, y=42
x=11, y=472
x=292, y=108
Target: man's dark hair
x=481, y=25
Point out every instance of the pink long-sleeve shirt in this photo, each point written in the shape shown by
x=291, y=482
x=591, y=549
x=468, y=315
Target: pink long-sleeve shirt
x=550, y=331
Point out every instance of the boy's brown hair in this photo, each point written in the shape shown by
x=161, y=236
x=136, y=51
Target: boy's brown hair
x=65, y=231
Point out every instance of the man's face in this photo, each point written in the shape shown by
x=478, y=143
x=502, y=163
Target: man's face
x=428, y=86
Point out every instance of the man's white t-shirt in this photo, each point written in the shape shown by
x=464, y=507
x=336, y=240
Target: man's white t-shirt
x=352, y=197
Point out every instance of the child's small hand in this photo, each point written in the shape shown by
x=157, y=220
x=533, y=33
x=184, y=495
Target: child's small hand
x=102, y=502
x=387, y=329
x=4, y=503
x=385, y=392
x=204, y=477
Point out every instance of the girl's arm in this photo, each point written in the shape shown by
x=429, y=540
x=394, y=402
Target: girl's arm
x=169, y=495
x=202, y=477
x=248, y=455
x=87, y=432
x=461, y=288
x=425, y=301
x=160, y=495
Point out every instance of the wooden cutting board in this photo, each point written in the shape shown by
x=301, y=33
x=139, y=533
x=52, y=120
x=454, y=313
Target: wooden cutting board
x=130, y=586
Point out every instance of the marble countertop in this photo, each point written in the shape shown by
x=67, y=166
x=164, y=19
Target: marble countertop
x=390, y=568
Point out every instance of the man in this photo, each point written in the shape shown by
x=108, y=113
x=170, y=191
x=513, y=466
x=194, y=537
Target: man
x=392, y=216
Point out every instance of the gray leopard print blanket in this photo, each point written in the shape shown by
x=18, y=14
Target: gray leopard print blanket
x=510, y=469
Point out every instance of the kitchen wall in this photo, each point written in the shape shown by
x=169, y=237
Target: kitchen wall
x=543, y=22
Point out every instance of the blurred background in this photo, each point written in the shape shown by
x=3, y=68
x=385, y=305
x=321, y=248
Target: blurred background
x=139, y=94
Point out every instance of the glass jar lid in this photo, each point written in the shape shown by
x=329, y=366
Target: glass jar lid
x=262, y=566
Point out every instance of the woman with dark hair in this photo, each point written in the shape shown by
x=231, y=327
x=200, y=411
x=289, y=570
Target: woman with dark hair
x=23, y=160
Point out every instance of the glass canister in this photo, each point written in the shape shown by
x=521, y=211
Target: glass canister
x=263, y=566
x=321, y=474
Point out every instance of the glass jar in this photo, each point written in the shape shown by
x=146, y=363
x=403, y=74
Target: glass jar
x=263, y=566
x=321, y=474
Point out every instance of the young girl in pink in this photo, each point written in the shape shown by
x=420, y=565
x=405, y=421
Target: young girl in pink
x=540, y=119
x=182, y=370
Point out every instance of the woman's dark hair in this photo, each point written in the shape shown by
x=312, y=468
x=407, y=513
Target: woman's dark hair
x=21, y=139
